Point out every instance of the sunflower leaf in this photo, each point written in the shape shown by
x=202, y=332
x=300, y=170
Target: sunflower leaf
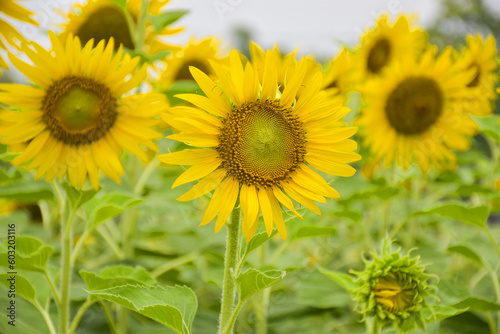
x=466, y=252
x=100, y=209
x=22, y=286
x=252, y=281
x=77, y=197
x=478, y=305
x=114, y=276
x=26, y=191
x=30, y=254
x=489, y=126
x=474, y=215
x=174, y=307
x=165, y=19
x=344, y=280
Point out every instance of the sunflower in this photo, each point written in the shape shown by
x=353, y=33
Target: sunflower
x=197, y=54
x=75, y=118
x=386, y=43
x=9, y=34
x=339, y=76
x=260, y=145
x=481, y=56
x=415, y=111
x=103, y=19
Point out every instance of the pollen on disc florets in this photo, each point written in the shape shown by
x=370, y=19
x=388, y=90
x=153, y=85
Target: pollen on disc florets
x=414, y=105
x=79, y=110
x=262, y=143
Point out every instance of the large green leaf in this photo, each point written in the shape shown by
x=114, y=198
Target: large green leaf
x=99, y=209
x=21, y=286
x=344, y=280
x=26, y=191
x=478, y=304
x=471, y=215
x=466, y=252
x=31, y=254
x=77, y=197
x=174, y=307
x=117, y=276
x=165, y=19
x=439, y=312
x=252, y=281
x=489, y=126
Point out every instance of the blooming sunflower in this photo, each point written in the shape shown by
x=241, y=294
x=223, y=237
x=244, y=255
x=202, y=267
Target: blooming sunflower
x=76, y=119
x=9, y=34
x=339, y=77
x=415, y=111
x=481, y=55
x=103, y=19
x=385, y=43
x=196, y=54
x=259, y=144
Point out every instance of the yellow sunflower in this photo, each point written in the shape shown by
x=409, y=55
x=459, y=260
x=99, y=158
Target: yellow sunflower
x=196, y=54
x=9, y=34
x=75, y=118
x=258, y=144
x=339, y=76
x=102, y=19
x=386, y=43
x=414, y=111
x=481, y=55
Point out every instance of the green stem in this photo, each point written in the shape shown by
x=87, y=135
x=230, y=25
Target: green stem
x=64, y=310
x=109, y=318
x=53, y=287
x=233, y=318
x=78, y=246
x=264, y=307
x=230, y=260
x=79, y=314
x=46, y=317
x=492, y=239
x=146, y=174
x=111, y=243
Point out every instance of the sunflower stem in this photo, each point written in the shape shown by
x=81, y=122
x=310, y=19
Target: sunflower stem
x=79, y=315
x=230, y=261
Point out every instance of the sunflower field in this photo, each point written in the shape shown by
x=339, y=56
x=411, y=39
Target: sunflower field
x=216, y=187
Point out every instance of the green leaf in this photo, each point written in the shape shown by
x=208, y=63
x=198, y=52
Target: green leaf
x=475, y=215
x=30, y=255
x=439, y=312
x=22, y=286
x=489, y=126
x=174, y=307
x=344, y=280
x=467, y=252
x=100, y=209
x=7, y=175
x=319, y=291
x=165, y=19
x=252, y=281
x=314, y=231
x=478, y=304
x=26, y=191
x=116, y=276
x=77, y=197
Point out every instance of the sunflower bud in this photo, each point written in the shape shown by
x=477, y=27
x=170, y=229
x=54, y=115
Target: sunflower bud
x=392, y=289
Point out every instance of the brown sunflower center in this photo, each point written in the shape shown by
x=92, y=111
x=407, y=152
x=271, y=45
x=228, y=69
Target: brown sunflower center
x=379, y=55
x=261, y=143
x=414, y=105
x=184, y=74
x=104, y=23
x=475, y=81
x=79, y=110
x=395, y=293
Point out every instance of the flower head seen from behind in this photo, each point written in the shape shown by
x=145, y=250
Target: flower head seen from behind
x=481, y=56
x=258, y=144
x=387, y=42
x=76, y=119
x=103, y=20
x=415, y=112
x=9, y=34
x=392, y=289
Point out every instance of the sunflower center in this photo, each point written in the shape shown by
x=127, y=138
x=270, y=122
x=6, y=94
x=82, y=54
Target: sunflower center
x=394, y=293
x=261, y=143
x=78, y=110
x=184, y=74
x=379, y=55
x=475, y=81
x=414, y=105
x=104, y=23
